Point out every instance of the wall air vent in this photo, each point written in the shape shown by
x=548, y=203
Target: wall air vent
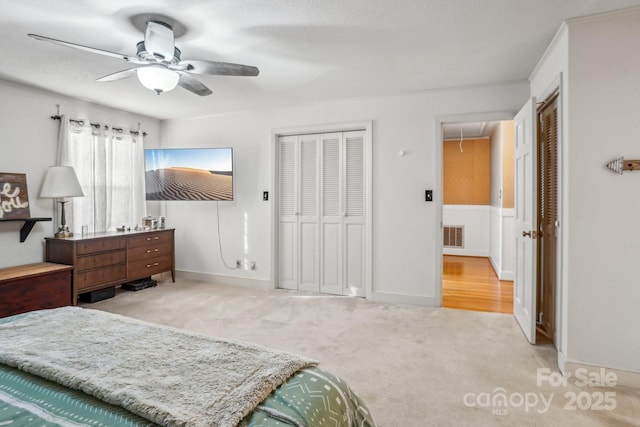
x=453, y=236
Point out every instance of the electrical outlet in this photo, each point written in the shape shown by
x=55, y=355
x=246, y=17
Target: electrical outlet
x=237, y=263
x=253, y=265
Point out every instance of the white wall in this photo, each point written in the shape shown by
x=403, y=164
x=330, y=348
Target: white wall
x=406, y=229
x=599, y=60
x=603, y=290
x=28, y=145
x=502, y=240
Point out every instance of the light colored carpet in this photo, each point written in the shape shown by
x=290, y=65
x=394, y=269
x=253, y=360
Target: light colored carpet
x=413, y=366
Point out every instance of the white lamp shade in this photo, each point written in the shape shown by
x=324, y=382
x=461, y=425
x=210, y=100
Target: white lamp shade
x=60, y=182
x=158, y=79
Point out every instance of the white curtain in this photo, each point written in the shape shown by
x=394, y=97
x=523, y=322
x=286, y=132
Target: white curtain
x=110, y=168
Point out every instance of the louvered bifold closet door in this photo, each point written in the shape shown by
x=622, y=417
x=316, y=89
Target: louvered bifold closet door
x=308, y=224
x=288, y=212
x=547, y=211
x=353, y=214
x=322, y=213
x=331, y=219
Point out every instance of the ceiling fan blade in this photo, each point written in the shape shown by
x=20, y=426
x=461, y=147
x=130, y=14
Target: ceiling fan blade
x=218, y=68
x=193, y=85
x=119, y=75
x=127, y=58
x=159, y=40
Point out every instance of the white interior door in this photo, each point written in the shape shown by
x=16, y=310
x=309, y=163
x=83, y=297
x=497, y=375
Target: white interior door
x=288, y=212
x=331, y=218
x=309, y=279
x=322, y=236
x=353, y=215
x=524, y=290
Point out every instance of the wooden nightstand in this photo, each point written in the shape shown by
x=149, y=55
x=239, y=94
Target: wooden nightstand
x=36, y=286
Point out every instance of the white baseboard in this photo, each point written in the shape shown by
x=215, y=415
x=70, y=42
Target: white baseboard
x=391, y=298
x=463, y=252
x=495, y=266
x=226, y=280
x=624, y=378
x=507, y=275
x=502, y=275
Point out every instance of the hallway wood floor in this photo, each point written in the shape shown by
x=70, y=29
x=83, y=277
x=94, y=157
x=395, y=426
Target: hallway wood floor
x=470, y=283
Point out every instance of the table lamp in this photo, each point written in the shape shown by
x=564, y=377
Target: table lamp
x=61, y=182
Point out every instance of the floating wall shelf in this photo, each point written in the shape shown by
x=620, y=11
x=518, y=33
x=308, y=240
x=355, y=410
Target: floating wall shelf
x=28, y=225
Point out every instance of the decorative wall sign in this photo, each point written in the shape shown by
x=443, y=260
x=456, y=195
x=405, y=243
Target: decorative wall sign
x=620, y=164
x=14, y=199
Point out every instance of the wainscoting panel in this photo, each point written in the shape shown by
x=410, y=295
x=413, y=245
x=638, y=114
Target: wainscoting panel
x=502, y=248
x=476, y=222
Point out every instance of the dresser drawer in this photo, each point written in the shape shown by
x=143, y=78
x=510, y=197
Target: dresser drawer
x=99, y=276
x=151, y=238
x=149, y=252
x=101, y=260
x=100, y=245
x=139, y=269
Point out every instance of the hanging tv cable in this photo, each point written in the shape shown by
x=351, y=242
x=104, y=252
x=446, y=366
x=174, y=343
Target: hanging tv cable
x=220, y=240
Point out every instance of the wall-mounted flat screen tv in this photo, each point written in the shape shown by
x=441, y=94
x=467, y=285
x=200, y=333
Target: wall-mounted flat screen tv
x=189, y=174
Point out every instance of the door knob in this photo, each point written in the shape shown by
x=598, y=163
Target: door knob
x=526, y=234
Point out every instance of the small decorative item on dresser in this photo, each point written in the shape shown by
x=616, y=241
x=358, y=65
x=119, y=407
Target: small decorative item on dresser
x=147, y=222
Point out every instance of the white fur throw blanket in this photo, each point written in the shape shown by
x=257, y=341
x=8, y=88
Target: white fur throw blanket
x=171, y=377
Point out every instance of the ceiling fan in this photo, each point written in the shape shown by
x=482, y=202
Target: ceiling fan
x=159, y=66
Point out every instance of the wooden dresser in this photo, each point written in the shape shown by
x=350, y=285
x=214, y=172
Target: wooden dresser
x=36, y=286
x=102, y=260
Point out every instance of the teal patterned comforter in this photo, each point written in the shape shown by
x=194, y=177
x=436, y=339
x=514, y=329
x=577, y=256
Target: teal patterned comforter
x=311, y=397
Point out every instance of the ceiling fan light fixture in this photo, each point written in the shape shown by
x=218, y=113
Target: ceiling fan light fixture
x=158, y=79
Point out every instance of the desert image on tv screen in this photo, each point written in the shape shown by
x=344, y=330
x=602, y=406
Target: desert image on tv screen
x=189, y=174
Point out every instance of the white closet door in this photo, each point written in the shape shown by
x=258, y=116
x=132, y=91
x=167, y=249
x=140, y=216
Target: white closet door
x=331, y=218
x=354, y=214
x=309, y=278
x=322, y=212
x=288, y=212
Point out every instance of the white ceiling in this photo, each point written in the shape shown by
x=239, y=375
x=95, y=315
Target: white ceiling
x=468, y=130
x=306, y=50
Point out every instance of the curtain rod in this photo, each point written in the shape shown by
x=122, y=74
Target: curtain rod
x=98, y=126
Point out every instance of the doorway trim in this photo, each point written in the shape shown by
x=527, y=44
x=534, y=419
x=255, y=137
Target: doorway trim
x=439, y=185
x=276, y=133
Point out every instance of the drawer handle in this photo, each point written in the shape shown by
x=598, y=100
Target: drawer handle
x=152, y=265
x=152, y=238
x=155, y=250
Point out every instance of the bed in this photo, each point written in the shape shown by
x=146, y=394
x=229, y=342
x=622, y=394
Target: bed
x=74, y=366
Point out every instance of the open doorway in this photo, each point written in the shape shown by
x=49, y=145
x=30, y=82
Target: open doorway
x=477, y=216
